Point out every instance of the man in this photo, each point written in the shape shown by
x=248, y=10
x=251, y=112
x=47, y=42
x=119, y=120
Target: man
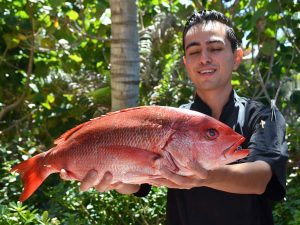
x=238, y=193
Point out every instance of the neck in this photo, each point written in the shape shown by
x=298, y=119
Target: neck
x=215, y=99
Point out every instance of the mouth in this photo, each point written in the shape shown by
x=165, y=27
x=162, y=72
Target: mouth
x=206, y=71
x=235, y=149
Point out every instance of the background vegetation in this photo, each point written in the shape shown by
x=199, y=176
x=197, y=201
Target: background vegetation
x=55, y=73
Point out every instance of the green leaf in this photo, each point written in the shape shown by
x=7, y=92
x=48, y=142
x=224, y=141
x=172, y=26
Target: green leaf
x=11, y=40
x=235, y=82
x=102, y=95
x=83, y=44
x=76, y=58
x=154, y=2
x=47, y=43
x=50, y=98
x=99, y=64
x=56, y=3
x=275, y=17
x=267, y=48
x=22, y=14
x=45, y=216
x=46, y=105
x=17, y=3
x=34, y=87
x=73, y=15
x=270, y=33
x=46, y=19
x=68, y=96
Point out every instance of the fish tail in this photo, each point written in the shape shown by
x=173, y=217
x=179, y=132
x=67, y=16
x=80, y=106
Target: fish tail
x=33, y=172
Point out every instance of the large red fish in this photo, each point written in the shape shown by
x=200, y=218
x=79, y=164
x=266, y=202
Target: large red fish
x=133, y=144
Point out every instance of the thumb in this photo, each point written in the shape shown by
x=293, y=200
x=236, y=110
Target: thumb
x=198, y=169
x=65, y=175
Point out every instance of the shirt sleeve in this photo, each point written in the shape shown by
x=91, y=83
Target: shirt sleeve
x=268, y=143
x=143, y=191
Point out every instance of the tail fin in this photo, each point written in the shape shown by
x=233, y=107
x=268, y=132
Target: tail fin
x=33, y=172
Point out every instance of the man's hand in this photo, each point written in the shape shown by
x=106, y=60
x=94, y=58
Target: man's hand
x=102, y=184
x=243, y=178
x=172, y=180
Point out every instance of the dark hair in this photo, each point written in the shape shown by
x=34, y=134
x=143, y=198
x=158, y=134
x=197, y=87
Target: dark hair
x=204, y=16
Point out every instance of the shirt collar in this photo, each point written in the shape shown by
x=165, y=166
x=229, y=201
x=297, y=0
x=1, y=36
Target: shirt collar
x=200, y=106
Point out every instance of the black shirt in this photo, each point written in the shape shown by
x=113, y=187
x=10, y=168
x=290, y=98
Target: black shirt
x=264, y=130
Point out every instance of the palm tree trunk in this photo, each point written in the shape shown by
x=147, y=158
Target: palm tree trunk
x=124, y=57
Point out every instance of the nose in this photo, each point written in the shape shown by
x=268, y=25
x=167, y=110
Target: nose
x=205, y=58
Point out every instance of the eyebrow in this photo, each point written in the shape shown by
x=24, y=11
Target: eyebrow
x=196, y=43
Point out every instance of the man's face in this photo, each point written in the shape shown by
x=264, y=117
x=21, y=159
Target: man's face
x=209, y=59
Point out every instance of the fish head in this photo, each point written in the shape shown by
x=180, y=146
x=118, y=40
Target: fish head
x=206, y=140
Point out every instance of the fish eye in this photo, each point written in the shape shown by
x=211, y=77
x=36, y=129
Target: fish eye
x=212, y=133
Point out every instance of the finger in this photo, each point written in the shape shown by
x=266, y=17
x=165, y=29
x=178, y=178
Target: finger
x=117, y=185
x=64, y=175
x=90, y=180
x=123, y=188
x=159, y=182
x=120, y=185
x=105, y=182
x=174, y=178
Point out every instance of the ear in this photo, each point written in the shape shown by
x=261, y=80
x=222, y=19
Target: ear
x=238, y=57
x=184, y=60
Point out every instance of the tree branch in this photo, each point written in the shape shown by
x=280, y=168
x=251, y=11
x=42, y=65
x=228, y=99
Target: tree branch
x=259, y=75
x=3, y=55
x=271, y=60
x=14, y=105
x=199, y=4
x=15, y=124
x=285, y=80
x=233, y=8
x=262, y=84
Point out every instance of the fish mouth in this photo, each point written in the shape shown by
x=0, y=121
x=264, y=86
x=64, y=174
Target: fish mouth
x=234, y=148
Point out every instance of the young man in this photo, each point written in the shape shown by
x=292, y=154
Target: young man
x=236, y=194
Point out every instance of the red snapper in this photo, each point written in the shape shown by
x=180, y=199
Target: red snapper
x=133, y=144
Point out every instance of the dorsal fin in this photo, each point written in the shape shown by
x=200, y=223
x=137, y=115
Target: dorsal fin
x=68, y=133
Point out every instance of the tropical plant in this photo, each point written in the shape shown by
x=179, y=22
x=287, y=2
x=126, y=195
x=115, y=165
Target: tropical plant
x=55, y=73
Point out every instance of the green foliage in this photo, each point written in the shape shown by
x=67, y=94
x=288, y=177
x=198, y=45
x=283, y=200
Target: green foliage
x=288, y=212
x=54, y=75
x=16, y=213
